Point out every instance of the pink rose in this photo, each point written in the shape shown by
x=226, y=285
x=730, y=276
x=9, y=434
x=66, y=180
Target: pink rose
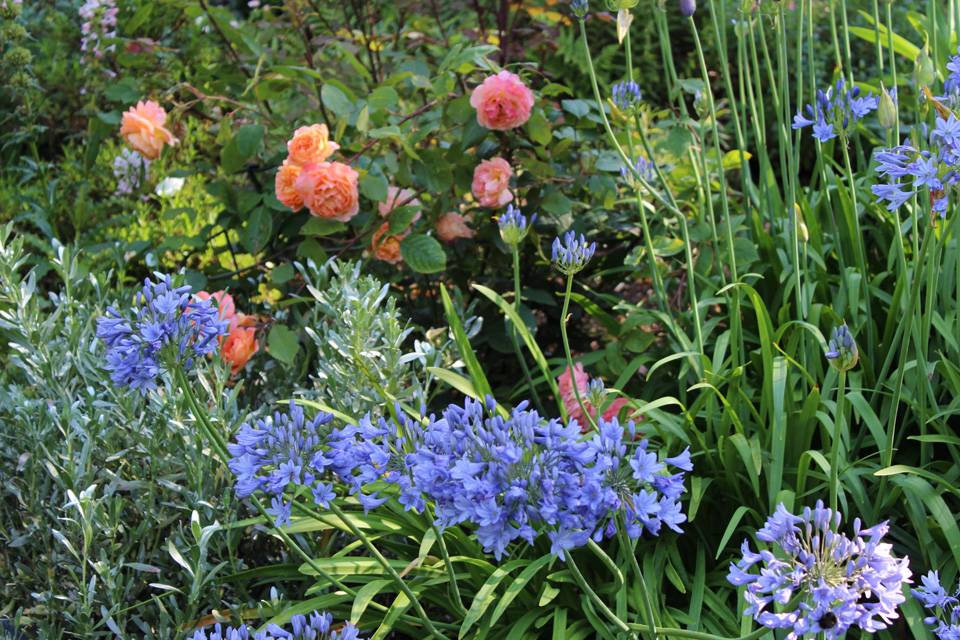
x=329, y=190
x=502, y=102
x=491, y=180
x=143, y=128
x=453, y=226
x=397, y=196
x=570, y=403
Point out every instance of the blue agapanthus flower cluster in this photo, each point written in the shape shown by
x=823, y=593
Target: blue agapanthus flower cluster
x=514, y=226
x=315, y=627
x=843, y=353
x=368, y=453
x=627, y=97
x=944, y=606
x=951, y=86
x=580, y=8
x=820, y=580
x=836, y=111
x=288, y=451
x=572, y=254
x=934, y=167
x=507, y=475
x=646, y=170
x=167, y=329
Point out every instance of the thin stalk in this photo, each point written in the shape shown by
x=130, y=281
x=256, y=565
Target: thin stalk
x=846, y=41
x=599, y=603
x=566, y=350
x=700, y=635
x=513, y=331
x=644, y=592
x=858, y=246
x=448, y=563
x=838, y=420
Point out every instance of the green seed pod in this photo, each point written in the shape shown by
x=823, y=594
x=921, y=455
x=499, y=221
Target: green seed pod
x=18, y=57
x=620, y=5
x=924, y=73
x=887, y=112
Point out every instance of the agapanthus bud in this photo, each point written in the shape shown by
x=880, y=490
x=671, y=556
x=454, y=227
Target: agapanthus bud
x=572, y=254
x=687, y=7
x=514, y=226
x=643, y=167
x=627, y=96
x=700, y=104
x=620, y=5
x=924, y=72
x=887, y=112
x=579, y=8
x=596, y=393
x=843, y=353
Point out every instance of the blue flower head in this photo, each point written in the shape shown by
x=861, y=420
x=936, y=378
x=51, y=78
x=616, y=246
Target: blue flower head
x=642, y=168
x=514, y=226
x=580, y=9
x=836, y=111
x=626, y=96
x=167, y=330
x=841, y=582
x=316, y=626
x=946, y=614
x=843, y=353
x=572, y=254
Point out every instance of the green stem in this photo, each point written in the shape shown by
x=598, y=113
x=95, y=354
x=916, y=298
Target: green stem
x=513, y=331
x=566, y=350
x=858, y=246
x=644, y=592
x=604, y=609
x=700, y=635
x=838, y=420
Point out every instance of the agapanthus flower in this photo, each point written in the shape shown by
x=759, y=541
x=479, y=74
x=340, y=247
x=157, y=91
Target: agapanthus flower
x=842, y=349
x=934, y=165
x=835, y=111
x=572, y=254
x=130, y=168
x=814, y=579
x=514, y=226
x=580, y=9
x=169, y=329
x=626, y=96
x=945, y=608
x=642, y=167
x=316, y=626
x=288, y=451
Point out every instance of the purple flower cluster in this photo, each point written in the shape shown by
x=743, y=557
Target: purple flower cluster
x=934, y=167
x=131, y=169
x=99, y=23
x=170, y=330
x=836, y=111
x=510, y=478
x=287, y=451
x=316, y=627
x=645, y=168
x=935, y=597
x=823, y=581
x=572, y=254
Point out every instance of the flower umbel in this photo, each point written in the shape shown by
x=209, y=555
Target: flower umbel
x=580, y=9
x=169, y=330
x=836, y=111
x=573, y=254
x=626, y=96
x=514, y=226
x=839, y=582
x=315, y=627
x=944, y=606
x=843, y=352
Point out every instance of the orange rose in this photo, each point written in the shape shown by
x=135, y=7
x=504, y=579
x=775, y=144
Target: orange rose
x=395, y=196
x=238, y=347
x=389, y=249
x=286, y=185
x=143, y=128
x=329, y=190
x=311, y=144
x=491, y=180
x=453, y=226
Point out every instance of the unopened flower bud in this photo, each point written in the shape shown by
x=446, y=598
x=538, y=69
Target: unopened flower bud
x=572, y=254
x=514, y=226
x=627, y=96
x=843, y=353
x=687, y=7
x=620, y=5
x=579, y=8
x=924, y=73
x=700, y=104
x=887, y=113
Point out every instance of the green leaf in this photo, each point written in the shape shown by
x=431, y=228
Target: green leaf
x=463, y=344
x=374, y=186
x=390, y=131
x=138, y=18
x=485, y=595
x=539, y=128
x=423, y=253
x=230, y=157
x=579, y=108
x=282, y=344
x=554, y=89
x=256, y=230
x=282, y=274
x=248, y=139
x=556, y=203
x=322, y=227
x=336, y=100
x=383, y=98
x=365, y=595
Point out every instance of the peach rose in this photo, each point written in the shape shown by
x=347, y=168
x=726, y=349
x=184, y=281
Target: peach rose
x=389, y=249
x=238, y=347
x=395, y=196
x=453, y=226
x=502, y=102
x=143, y=128
x=570, y=403
x=286, y=185
x=329, y=190
x=311, y=144
x=491, y=180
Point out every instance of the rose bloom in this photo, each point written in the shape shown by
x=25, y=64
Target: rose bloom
x=329, y=190
x=143, y=128
x=395, y=196
x=570, y=403
x=491, y=180
x=286, y=185
x=389, y=249
x=502, y=102
x=453, y=226
x=311, y=144
x=240, y=344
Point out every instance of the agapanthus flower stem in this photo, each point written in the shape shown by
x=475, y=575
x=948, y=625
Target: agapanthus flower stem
x=835, y=444
x=597, y=601
x=628, y=550
x=448, y=564
x=566, y=350
x=858, y=247
x=513, y=334
x=427, y=623
x=700, y=635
